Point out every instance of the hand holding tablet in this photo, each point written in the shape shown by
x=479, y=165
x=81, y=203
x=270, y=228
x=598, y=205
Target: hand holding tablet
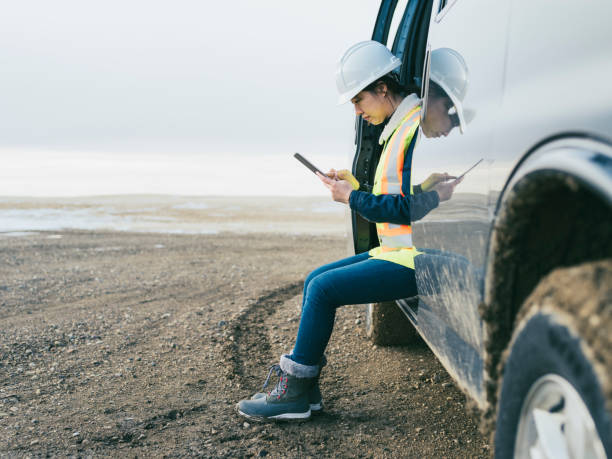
x=342, y=174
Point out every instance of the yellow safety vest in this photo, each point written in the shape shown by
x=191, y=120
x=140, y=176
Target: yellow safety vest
x=395, y=240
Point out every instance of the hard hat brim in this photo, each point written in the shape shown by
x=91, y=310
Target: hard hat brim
x=348, y=95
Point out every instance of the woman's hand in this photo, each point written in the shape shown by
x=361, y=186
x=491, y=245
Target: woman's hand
x=340, y=189
x=445, y=189
x=332, y=174
x=435, y=178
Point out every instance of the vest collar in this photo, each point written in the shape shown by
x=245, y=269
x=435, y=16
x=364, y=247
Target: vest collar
x=405, y=106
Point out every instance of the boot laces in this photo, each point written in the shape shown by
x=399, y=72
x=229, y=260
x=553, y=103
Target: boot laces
x=281, y=385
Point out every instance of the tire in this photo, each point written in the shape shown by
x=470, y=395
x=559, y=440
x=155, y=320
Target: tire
x=555, y=371
x=386, y=325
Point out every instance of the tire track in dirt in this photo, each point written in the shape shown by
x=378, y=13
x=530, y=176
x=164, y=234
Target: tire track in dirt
x=133, y=431
x=247, y=343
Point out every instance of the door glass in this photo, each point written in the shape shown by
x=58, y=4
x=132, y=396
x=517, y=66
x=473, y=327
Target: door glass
x=398, y=14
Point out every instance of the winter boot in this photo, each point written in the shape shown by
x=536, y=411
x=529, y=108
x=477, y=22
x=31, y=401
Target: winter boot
x=314, y=394
x=289, y=398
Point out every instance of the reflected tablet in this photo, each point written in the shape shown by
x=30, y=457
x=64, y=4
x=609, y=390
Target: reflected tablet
x=477, y=163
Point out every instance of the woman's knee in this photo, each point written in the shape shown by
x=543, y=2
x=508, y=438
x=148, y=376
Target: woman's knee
x=309, y=278
x=320, y=291
x=316, y=272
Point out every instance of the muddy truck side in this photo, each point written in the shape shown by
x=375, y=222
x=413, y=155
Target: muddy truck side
x=517, y=307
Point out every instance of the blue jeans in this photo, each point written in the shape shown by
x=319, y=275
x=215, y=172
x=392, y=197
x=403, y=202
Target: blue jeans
x=353, y=280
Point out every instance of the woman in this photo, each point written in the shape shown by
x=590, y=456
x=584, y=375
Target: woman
x=386, y=272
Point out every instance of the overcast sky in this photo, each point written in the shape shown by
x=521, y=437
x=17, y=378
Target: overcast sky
x=175, y=77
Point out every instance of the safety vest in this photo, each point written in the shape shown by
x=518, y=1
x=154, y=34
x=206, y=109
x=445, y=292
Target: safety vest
x=395, y=240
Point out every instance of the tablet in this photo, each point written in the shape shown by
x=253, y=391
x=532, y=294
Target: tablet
x=307, y=163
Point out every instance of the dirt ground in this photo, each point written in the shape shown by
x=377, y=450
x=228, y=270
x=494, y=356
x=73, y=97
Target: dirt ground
x=139, y=345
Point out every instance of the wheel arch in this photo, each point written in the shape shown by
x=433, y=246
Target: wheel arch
x=555, y=210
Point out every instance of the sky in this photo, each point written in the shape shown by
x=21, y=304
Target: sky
x=173, y=97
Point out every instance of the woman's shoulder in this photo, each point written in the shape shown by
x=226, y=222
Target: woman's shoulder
x=405, y=111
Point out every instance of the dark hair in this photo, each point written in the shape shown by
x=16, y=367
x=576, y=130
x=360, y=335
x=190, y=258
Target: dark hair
x=393, y=84
x=435, y=90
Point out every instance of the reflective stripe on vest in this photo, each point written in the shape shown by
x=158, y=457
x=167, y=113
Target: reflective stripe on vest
x=388, y=180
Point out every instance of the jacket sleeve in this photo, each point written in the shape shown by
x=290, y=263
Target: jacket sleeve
x=387, y=208
x=394, y=208
x=423, y=203
x=384, y=208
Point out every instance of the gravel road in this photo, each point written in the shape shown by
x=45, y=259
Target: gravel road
x=140, y=345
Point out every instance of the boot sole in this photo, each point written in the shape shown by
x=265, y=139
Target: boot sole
x=278, y=417
x=314, y=407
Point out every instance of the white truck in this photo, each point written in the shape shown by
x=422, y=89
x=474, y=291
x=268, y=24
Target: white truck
x=522, y=317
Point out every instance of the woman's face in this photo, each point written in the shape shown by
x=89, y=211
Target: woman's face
x=437, y=121
x=372, y=106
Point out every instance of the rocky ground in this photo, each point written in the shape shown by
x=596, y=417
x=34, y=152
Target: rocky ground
x=140, y=345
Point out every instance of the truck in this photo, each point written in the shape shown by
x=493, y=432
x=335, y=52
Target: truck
x=519, y=313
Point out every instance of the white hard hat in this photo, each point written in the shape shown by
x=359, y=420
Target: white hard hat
x=362, y=64
x=450, y=72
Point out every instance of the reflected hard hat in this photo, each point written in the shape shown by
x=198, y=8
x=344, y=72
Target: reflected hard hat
x=362, y=64
x=450, y=72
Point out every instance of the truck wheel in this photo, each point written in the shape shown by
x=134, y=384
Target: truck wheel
x=386, y=325
x=555, y=398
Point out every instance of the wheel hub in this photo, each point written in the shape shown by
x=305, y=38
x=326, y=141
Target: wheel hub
x=556, y=424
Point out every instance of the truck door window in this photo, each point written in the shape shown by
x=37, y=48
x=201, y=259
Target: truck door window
x=398, y=14
x=443, y=8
